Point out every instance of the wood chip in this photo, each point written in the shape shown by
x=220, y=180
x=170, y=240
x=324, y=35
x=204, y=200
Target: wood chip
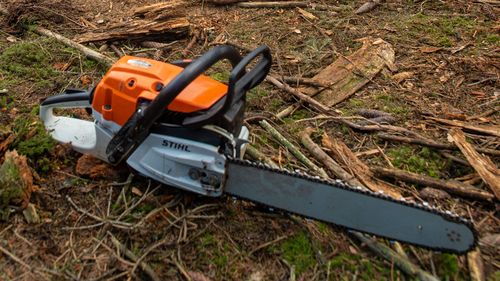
x=428, y=50
x=486, y=169
x=346, y=75
x=400, y=77
x=306, y=14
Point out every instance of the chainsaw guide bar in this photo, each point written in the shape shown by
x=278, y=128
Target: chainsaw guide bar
x=245, y=181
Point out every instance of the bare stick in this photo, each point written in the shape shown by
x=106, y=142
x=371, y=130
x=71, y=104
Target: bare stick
x=489, y=130
x=68, y=42
x=329, y=163
x=144, y=266
x=431, y=143
x=267, y=244
x=15, y=258
x=340, y=152
x=402, y=263
x=255, y=154
x=486, y=169
x=303, y=81
x=303, y=97
x=454, y=187
x=294, y=150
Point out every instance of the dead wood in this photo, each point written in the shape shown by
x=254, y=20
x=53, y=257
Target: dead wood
x=486, y=169
x=346, y=75
x=138, y=28
x=5, y=144
x=368, y=6
x=401, y=262
x=255, y=154
x=433, y=144
x=68, y=42
x=476, y=267
x=345, y=157
x=287, y=4
x=303, y=97
x=160, y=10
x=482, y=129
x=129, y=254
x=292, y=148
x=452, y=187
x=302, y=81
x=328, y=162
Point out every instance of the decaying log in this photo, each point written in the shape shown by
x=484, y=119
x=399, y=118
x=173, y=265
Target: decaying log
x=404, y=264
x=453, y=187
x=346, y=75
x=486, y=169
x=432, y=143
x=138, y=28
x=329, y=163
x=287, y=4
x=482, y=129
x=305, y=98
x=341, y=153
x=294, y=150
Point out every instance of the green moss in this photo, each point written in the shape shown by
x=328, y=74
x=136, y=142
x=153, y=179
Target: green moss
x=33, y=140
x=222, y=76
x=364, y=269
x=447, y=266
x=213, y=251
x=423, y=161
x=298, y=251
x=10, y=188
x=256, y=94
x=439, y=31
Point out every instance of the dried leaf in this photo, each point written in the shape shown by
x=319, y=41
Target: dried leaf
x=61, y=66
x=399, y=77
x=85, y=80
x=94, y=168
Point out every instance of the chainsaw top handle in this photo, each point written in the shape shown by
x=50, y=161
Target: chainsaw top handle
x=136, y=129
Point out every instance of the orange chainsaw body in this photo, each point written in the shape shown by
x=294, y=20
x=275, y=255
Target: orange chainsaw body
x=132, y=80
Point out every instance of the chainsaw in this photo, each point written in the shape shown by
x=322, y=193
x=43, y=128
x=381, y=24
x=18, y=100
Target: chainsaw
x=171, y=123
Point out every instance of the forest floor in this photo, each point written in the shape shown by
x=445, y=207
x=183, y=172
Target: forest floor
x=448, y=52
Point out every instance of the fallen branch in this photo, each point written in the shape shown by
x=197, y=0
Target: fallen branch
x=255, y=154
x=303, y=81
x=488, y=130
x=340, y=152
x=286, y=4
x=303, y=97
x=486, y=169
x=294, y=150
x=327, y=161
x=454, y=187
x=144, y=266
x=433, y=144
x=404, y=264
x=70, y=43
